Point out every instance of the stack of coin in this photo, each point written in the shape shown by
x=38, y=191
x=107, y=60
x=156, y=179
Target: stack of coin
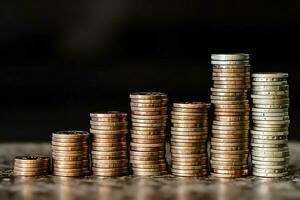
x=109, y=143
x=189, y=139
x=270, y=96
x=148, y=133
x=230, y=129
x=70, y=153
x=31, y=166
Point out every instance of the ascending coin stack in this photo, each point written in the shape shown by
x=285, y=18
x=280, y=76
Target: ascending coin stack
x=109, y=143
x=189, y=135
x=31, y=166
x=70, y=153
x=230, y=130
x=270, y=96
x=148, y=133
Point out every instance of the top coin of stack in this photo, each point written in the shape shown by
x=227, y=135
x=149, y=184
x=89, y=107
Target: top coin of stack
x=189, y=139
x=270, y=153
x=31, y=166
x=149, y=117
x=230, y=137
x=109, y=143
x=70, y=153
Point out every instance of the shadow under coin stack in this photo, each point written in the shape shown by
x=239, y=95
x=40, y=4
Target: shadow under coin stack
x=269, y=137
x=230, y=130
x=109, y=143
x=70, y=153
x=31, y=166
x=148, y=133
x=189, y=135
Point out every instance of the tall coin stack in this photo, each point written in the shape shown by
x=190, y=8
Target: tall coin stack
x=270, y=96
x=230, y=130
x=70, y=153
x=189, y=135
x=148, y=133
x=31, y=166
x=109, y=143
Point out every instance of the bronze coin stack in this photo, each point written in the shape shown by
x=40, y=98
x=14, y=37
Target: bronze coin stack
x=270, y=115
x=230, y=129
x=70, y=153
x=148, y=133
x=189, y=135
x=109, y=143
x=31, y=166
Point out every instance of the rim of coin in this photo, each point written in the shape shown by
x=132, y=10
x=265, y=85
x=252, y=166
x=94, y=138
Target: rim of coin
x=147, y=95
x=270, y=75
x=31, y=159
x=70, y=134
x=108, y=114
x=234, y=56
x=191, y=105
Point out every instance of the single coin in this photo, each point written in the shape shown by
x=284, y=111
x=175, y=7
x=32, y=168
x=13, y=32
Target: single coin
x=31, y=160
x=227, y=171
x=109, y=132
x=225, y=163
x=109, y=114
x=148, y=162
x=270, y=75
x=234, y=57
x=270, y=167
x=147, y=105
x=146, y=117
x=133, y=144
x=230, y=148
x=68, y=140
x=109, y=119
x=149, y=113
x=183, y=160
x=231, y=118
x=109, y=128
x=190, y=117
x=198, y=156
x=149, y=109
x=114, y=124
x=269, y=137
x=189, y=137
x=262, y=145
x=177, y=113
x=271, y=83
x=230, y=98
x=161, y=173
x=269, y=133
x=70, y=134
x=230, y=62
x=231, y=123
x=272, y=114
x=186, y=148
x=270, y=154
x=192, y=125
x=148, y=137
x=114, y=144
x=269, y=174
x=145, y=154
x=147, y=95
x=118, y=161
x=190, y=162
x=231, y=128
x=148, y=132
x=147, y=141
x=220, y=167
x=110, y=174
x=115, y=169
x=109, y=149
x=270, y=159
x=70, y=174
x=219, y=140
x=270, y=163
x=148, y=169
x=227, y=175
x=19, y=173
x=191, y=105
x=110, y=165
x=189, y=171
x=141, y=128
x=270, y=129
x=192, y=151
x=177, y=129
x=230, y=74
x=271, y=93
x=147, y=149
x=269, y=79
x=271, y=149
x=187, y=133
x=149, y=121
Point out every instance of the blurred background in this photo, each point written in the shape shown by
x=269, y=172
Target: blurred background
x=61, y=60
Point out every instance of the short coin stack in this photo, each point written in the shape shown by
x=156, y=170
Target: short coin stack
x=148, y=133
x=270, y=96
x=109, y=143
x=230, y=129
x=31, y=166
x=70, y=153
x=189, y=135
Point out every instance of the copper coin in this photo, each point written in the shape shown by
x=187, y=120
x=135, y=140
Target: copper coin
x=116, y=144
x=149, y=113
x=109, y=153
x=109, y=149
x=147, y=105
x=147, y=95
x=109, y=132
x=147, y=149
x=109, y=119
x=109, y=114
x=149, y=117
x=69, y=174
x=145, y=154
x=110, y=165
x=192, y=105
x=148, y=137
x=148, y=162
x=148, y=132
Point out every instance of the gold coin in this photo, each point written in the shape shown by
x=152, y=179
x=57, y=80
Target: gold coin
x=154, y=117
x=148, y=121
x=163, y=100
x=109, y=114
x=193, y=125
x=109, y=174
x=147, y=95
x=149, y=109
x=109, y=132
x=149, y=113
x=70, y=134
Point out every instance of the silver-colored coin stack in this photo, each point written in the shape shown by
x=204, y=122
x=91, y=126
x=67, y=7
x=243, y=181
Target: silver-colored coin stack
x=189, y=135
x=109, y=143
x=230, y=130
x=270, y=114
x=70, y=153
x=148, y=133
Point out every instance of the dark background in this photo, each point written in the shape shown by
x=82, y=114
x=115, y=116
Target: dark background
x=61, y=60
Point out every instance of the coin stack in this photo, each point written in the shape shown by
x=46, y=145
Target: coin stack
x=270, y=96
x=109, y=143
x=31, y=166
x=70, y=153
x=148, y=133
x=230, y=130
x=189, y=135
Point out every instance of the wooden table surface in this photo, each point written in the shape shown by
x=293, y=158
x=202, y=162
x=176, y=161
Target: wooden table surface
x=131, y=187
